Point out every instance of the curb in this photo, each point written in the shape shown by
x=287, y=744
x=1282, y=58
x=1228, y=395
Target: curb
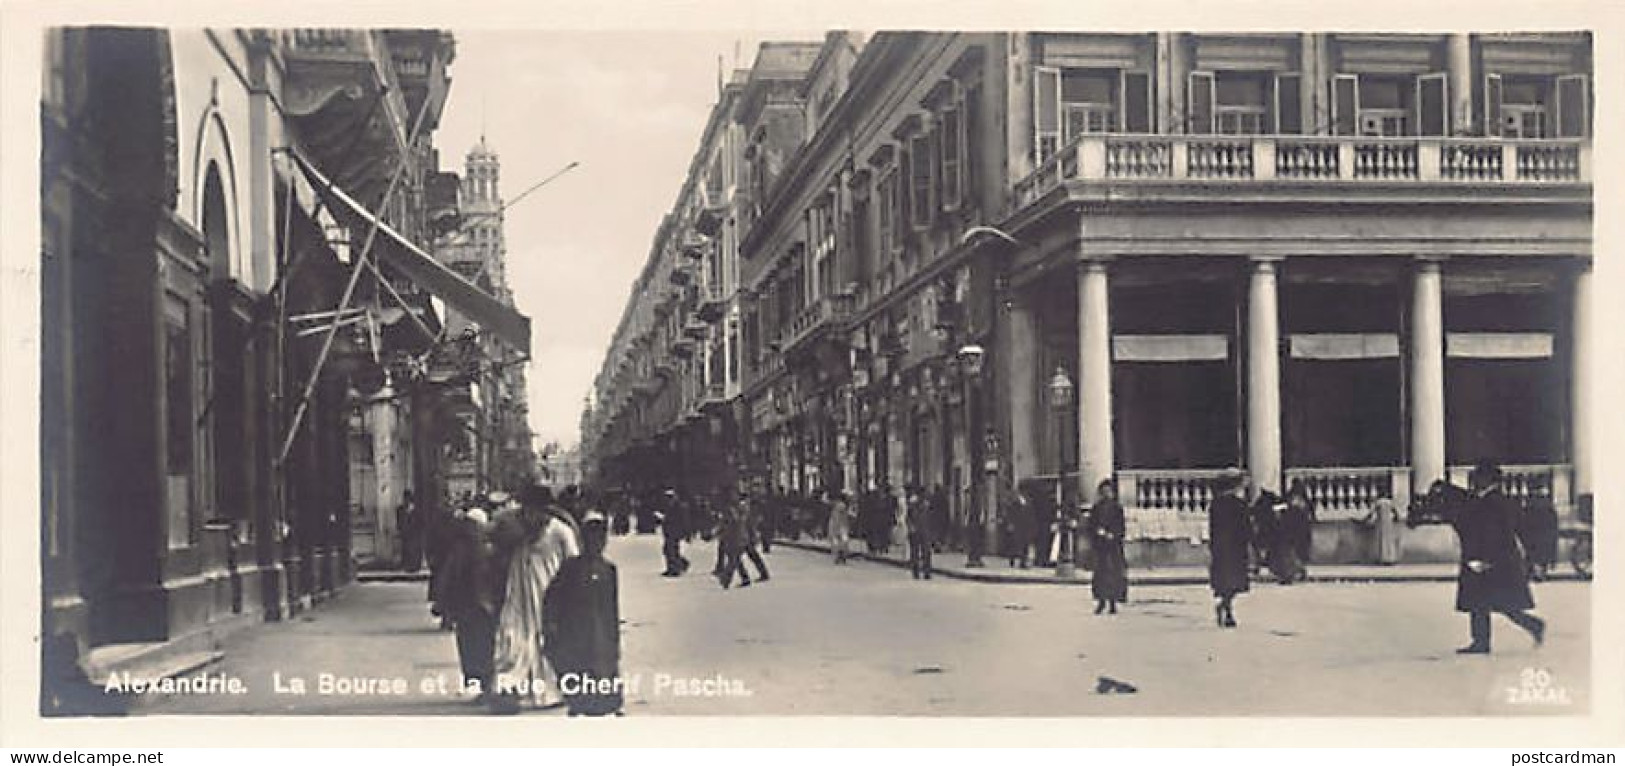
x=390, y=576
x=1143, y=580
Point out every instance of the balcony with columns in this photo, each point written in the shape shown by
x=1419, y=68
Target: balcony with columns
x=1109, y=157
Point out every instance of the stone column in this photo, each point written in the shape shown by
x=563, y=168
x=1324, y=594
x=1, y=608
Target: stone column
x=1459, y=62
x=1021, y=370
x=1580, y=406
x=1094, y=378
x=1427, y=376
x=1263, y=377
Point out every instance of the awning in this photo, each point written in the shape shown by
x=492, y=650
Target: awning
x=400, y=253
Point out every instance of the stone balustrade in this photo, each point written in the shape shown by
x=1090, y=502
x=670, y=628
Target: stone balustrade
x=1341, y=493
x=1120, y=157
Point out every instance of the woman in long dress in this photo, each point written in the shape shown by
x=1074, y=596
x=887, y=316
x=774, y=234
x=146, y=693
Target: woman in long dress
x=548, y=540
x=1289, y=550
x=1106, y=527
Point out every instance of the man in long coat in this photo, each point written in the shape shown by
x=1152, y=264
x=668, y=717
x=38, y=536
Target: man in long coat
x=673, y=527
x=471, y=595
x=581, y=620
x=1229, y=535
x=1493, y=577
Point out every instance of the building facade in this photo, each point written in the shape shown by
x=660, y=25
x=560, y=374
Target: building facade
x=1355, y=262
x=494, y=450
x=234, y=302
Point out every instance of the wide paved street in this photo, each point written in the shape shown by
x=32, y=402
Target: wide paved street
x=867, y=640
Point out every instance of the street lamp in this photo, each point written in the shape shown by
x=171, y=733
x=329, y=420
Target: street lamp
x=970, y=366
x=1060, y=400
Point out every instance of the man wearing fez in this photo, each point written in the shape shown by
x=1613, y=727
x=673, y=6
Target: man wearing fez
x=1493, y=577
x=581, y=622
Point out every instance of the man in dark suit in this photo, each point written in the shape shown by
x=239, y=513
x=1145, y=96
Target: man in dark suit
x=1493, y=576
x=673, y=527
x=581, y=622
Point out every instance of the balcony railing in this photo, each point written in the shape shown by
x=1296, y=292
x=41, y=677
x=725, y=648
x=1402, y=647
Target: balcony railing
x=334, y=44
x=814, y=316
x=1521, y=481
x=1124, y=157
x=1349, y=492
x=1167, y=504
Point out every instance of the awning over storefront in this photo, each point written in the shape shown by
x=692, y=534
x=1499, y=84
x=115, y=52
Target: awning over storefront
x=402, y=255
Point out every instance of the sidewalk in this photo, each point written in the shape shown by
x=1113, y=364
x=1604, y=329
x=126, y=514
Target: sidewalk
x=997, y=570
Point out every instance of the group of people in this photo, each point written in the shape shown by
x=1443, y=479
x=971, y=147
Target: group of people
x=738, y=530
x=524, y=583
x=1493, y=576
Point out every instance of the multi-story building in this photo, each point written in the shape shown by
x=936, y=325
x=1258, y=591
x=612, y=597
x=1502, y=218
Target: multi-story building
x=493, y=450
x=232, y=287
x=1358, y=262
x=669, y=409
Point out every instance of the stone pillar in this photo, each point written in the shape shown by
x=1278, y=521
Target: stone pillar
x=1580, y=406
x=1021, y=370
x=1094, y=379
x=1459, y=63
x=1263, y=377
x=1018, y=104
x=1427, y=376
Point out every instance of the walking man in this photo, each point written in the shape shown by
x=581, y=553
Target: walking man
x=673, y=526
x=918, y=521
x=1493, y=576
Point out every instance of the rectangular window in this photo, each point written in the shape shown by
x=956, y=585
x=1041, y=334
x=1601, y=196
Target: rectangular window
x=1088, y=102
x=1384, y=106
x=1524, y=112
x=920, y=180
x=1241, y=103
x=1199, y=102
x=1345, y=104
x=1137, y=103
x=1046, y=112
x=1432, y=105
x=953, y=157
x=1288, y=104
x=1492, y=105
x=885, y=215
x=973, y=135
x=1573, y=106
x=180, y=420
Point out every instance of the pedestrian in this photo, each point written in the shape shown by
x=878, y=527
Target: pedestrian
x=1229, y=535
x=1492, y=577
x=917, y=525
x=673, y=526
x=410, y=523
x=768, y=514
x=1537, y=528
x=547, y=538
x=1264, y=516
x=898, y=508
x=941, y=519
x=1383, y=518
x=1105, y=527
x=840, y=526
x=582, y=625
x=737, y=545
x=1289, y=547
x=472, y=593
x=1019, y=516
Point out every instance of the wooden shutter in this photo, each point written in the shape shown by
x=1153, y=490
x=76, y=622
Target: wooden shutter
x=1573, y=101
x=1046, y=112
x=1492, y=105
x=1137, y=103
x=1289, y=104
x=920, y=180
x=1345, y=105
x=1433, y=104
x=952, y=149
x=1200, y=106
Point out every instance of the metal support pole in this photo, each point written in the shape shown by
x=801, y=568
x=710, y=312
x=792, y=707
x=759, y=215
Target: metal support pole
x=349, y=292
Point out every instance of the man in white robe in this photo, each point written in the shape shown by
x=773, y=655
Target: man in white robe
x=522, y=669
